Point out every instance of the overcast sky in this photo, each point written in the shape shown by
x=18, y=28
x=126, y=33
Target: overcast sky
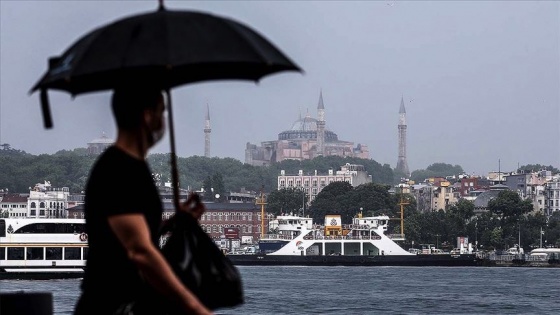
x=480, y=79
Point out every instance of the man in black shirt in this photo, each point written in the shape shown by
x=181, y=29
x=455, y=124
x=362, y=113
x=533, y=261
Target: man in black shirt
x=123, y=216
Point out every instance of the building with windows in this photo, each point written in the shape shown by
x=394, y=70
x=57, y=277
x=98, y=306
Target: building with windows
x=312, y=184
x=47, y=202
x=13, y=206
x=552, y=195
x=244, y=218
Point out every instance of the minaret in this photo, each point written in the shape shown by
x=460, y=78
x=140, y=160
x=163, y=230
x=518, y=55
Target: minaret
x=207, y=132
x=402, y=164
x=321, y=126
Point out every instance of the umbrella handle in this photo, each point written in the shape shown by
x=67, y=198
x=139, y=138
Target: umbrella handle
x=45, y=108
x=174, y=171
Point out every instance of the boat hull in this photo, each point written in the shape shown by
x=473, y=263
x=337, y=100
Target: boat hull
x=40, y=273
x=387, y=260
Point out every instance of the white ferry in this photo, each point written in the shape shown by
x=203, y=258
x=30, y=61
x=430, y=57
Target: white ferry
x=42, y=248
x=297, y=241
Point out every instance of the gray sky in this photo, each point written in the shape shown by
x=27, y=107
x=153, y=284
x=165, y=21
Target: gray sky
x=480, y=79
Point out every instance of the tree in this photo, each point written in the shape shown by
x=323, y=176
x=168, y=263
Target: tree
x=463, y=208
x=508, y=204
x=218, y=185
x=331, y=200
x=538, y=167
x=287, y=200
x=436, y=170
x=207, y=186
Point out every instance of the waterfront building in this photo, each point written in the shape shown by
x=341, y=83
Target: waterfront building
x=552, y=195
x=46, y=201
x=472, y=183
x=13, y=205
x=529, y=185
x=444, y=195
x=242, y=218
x=312, y=184
x=307, y=139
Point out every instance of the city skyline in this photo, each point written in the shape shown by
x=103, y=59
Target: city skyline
x=479, y=79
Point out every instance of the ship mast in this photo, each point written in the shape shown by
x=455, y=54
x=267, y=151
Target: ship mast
x=402, y=203
x=261, y=201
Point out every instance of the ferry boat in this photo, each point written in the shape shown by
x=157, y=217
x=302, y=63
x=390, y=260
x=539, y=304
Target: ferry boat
x=297, y=241
x=42, y=248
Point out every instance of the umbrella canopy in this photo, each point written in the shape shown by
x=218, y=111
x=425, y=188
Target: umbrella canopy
x=163, y=49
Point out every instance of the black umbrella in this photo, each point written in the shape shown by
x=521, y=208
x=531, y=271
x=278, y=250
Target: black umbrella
x=165, y=49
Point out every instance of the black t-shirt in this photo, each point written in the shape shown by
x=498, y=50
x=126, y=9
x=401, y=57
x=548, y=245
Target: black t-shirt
x=118, y=184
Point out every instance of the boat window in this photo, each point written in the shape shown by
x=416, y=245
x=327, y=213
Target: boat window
x=86, y=252
x=74, y=228
x=34, y=253
x=2, y=228
x=2, y=253
x=54, y=253
x=15, y=253
x=72, y=253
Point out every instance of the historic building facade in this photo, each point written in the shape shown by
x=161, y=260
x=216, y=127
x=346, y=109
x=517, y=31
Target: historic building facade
x=312, y=184
x=307, y=139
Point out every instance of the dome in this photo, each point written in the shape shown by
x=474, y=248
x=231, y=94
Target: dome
x=305, y=124
x=306, y=128
x=103, y=140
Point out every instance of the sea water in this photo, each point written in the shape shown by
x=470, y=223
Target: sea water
x=368, y=290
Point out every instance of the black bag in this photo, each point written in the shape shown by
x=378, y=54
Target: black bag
x=201, y=265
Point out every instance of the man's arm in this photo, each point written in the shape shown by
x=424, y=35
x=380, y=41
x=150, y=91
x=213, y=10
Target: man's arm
x=133, y=232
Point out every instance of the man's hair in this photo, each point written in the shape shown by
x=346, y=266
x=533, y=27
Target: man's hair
x=128, y=105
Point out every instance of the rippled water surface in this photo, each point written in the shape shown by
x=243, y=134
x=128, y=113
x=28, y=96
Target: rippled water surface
x=369, y=290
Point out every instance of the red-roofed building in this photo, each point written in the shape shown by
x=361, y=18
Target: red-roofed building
x=13, y=206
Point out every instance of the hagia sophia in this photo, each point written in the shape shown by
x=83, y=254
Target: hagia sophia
x=308, y=138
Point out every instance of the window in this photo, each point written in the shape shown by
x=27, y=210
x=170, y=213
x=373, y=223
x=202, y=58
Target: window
x=53, y=253
x=41, y=205
x=33, y=205
x=15, y=253
x=2, y=253
x=72, y=253
x=86, y=252
x=34, y=253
